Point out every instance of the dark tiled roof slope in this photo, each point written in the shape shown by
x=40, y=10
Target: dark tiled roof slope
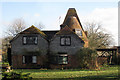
x=64, y=31
x=32, y=30
x=50, y=34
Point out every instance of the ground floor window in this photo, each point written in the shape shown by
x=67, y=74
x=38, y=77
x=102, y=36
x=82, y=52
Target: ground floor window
x=27, y=59
x=63, y=59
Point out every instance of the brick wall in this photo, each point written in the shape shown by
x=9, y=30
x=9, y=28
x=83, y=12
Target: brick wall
x=17, y=62
x=72, y=63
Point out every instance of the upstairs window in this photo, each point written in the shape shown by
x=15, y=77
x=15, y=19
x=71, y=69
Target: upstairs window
x=65, y=41
x=29, y=59
x=79, y=32
x=30, y=40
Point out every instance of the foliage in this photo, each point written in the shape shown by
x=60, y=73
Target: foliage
x=5, y=46
x=86, y=58
x=15, y=75
x=97, y=36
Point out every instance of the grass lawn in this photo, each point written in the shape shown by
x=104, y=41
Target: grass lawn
x=106, y=73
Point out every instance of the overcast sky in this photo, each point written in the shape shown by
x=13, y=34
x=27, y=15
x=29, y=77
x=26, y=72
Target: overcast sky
x=48, y=14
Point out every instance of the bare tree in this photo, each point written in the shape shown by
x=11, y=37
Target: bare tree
x=39, y=25
x=14, y=28
x=97, y=36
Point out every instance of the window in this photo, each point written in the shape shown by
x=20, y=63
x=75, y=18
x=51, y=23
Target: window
x=65, y=41
x=23, y=59
x=79, y=32
x=34, y=59
x=29, y=59
x=30, y=40
x=63, y=59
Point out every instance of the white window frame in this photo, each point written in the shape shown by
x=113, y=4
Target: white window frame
x=78, y=32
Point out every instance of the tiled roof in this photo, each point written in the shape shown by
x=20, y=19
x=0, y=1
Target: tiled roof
x=65, y=30
x=32, y=30
x=72, y=13
x=50, y=34
x=73, y=23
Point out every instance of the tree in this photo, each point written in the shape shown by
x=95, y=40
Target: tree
x=14, y=28
x=5, y=46
x=86, y=58
x=17, y=26
x=97, y=36
x=39, y=25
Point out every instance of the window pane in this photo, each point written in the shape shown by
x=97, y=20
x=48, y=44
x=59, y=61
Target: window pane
x=62, y=41
x=35, y=40
x=34, y=59
x=79, y=32
x=30, y=40
x=23, y=59
x=28, y=59
x=24, y=40
x=60, y=61
x=63, y=60
x=67, y=41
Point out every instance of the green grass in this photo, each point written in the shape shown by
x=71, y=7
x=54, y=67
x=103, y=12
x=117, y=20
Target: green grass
x=104, y=73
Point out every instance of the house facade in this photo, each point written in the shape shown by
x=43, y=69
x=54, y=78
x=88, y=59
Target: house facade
x=33, y=48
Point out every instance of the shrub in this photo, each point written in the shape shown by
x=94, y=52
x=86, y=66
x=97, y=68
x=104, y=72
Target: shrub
x=15, y=76
x=87, y=58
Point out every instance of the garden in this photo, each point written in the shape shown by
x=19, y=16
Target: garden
x=107, y=72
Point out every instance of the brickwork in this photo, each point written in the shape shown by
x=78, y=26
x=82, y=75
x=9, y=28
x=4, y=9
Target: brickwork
x=17, y=62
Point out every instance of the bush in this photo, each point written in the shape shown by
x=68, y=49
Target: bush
x=87, y=58
x=15, y=76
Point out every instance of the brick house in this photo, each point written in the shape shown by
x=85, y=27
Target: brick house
x=33, y=48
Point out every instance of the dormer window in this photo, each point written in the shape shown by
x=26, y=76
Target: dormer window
x=79, y=32
x=30, y=40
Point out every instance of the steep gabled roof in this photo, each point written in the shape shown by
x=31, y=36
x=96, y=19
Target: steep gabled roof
x=65, y=30
x=32, y=30
x=72, y=13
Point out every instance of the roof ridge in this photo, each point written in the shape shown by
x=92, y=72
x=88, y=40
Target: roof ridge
x=65, y=30
x=32, y=29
